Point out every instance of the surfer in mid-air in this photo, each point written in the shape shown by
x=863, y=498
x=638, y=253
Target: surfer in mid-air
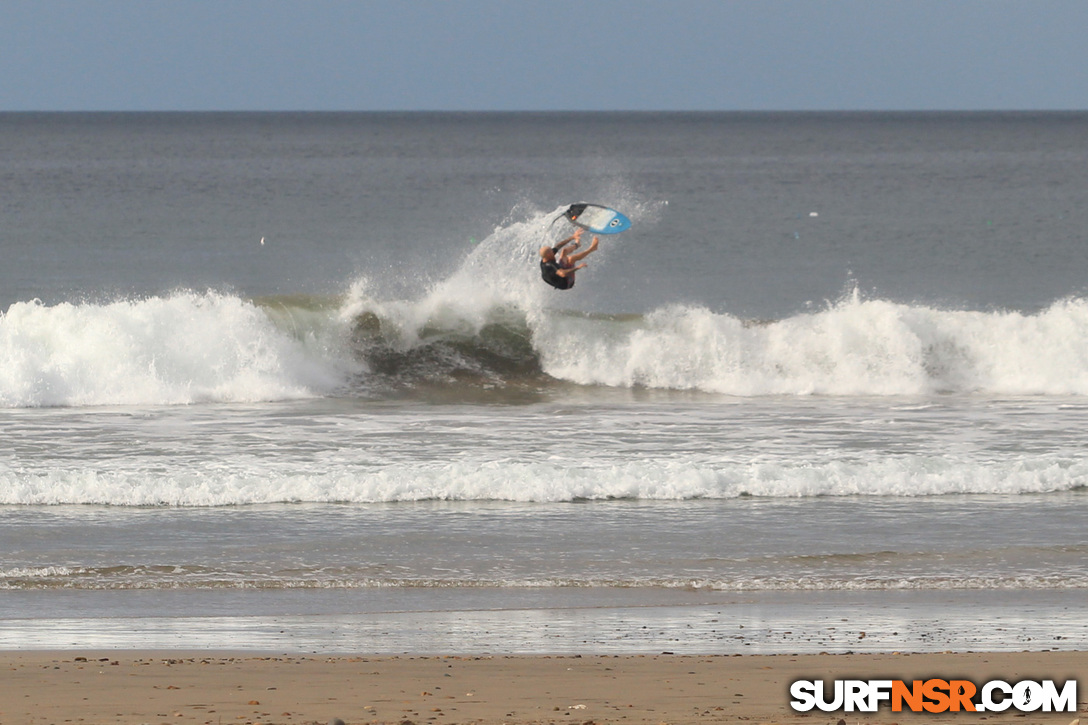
x=558, y=264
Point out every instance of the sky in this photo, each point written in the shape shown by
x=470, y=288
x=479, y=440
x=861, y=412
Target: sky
x=542, y=55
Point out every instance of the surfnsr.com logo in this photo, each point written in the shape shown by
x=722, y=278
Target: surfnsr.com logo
x=934, y=695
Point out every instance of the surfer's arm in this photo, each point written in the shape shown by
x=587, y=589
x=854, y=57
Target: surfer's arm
x=572, y=270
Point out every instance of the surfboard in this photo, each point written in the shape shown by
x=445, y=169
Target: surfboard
x=597, y=219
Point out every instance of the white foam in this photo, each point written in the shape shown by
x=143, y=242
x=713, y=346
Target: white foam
x=255, y=481
x=855, y=347
x=41, y=572
x=182, y=348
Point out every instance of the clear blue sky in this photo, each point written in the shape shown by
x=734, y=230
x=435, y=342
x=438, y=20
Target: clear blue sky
x=543, y=55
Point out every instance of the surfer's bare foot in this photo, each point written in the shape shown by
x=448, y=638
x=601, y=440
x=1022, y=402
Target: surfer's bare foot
x=593, y=246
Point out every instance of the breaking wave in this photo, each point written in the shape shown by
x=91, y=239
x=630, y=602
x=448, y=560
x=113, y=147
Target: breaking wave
x=491, y=324
x=260, y=481
x=178, y=349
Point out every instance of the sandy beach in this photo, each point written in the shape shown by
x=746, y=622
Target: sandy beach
x=175, y=687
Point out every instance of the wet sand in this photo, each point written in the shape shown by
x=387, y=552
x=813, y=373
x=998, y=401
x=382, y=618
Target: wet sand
x=174, y=687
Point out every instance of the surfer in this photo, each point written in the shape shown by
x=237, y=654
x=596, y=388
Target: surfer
x=558, y=265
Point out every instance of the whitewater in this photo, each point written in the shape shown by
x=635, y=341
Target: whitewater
x=489, y=333
x=492, y=324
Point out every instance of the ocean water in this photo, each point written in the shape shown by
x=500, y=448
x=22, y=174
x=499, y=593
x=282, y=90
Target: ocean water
x=292, y=381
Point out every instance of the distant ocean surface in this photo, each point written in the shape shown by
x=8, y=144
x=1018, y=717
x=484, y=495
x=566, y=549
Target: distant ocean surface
x=293, y=381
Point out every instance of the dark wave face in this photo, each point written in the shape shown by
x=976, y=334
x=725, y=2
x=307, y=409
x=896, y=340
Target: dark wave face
x=500, y=355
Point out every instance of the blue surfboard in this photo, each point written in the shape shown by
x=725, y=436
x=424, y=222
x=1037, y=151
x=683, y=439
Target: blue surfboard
x=597, y=219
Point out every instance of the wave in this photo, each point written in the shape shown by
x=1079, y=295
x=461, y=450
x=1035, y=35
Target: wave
x=259, y=481
x=182, y=348
x=148, y=577
x=492, y=325
x=855, y=347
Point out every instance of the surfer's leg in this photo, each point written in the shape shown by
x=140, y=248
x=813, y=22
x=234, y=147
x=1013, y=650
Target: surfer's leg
x=566, y=258
x=575, y=258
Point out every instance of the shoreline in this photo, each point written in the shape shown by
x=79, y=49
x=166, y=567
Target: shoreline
x=555, y=621
x=110, y=686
